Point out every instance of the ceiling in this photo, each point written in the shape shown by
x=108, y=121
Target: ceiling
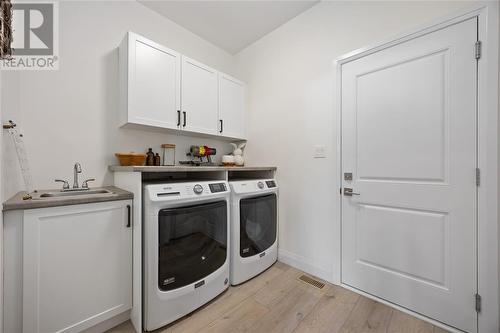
x=231, y=25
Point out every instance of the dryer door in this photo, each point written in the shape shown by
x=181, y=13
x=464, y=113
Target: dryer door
x=192, y=243
x=258, y=224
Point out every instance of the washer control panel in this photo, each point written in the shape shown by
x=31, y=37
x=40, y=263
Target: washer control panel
x=176, y=191
x=217, y=187
x=198, y=189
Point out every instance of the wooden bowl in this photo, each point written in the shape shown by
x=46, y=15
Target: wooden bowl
x=131, y=159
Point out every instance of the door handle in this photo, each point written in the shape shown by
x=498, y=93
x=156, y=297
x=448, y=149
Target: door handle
x=184, y=115
x=221, y=126
x=178, y=117
x=348, y=192
x=129, y=217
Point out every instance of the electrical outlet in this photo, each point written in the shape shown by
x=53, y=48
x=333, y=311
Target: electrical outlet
x=319, y=152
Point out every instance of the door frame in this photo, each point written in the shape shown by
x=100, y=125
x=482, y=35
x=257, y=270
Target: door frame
x=487, y=156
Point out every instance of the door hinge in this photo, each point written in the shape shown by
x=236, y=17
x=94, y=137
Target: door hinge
x=478, y=49
x=478, y=302
x=478, y=177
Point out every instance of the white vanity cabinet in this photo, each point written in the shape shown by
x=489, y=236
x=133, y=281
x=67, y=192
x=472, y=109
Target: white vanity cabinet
x=76, y=266
x=231, y=107
x=149, y=83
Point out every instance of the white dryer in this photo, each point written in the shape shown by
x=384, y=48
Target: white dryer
x=186, y=241
x=254, y=228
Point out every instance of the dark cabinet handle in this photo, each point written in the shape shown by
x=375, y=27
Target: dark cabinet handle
x=184, y=115
x=221, y=126
x=129, y=217
x=178, y=117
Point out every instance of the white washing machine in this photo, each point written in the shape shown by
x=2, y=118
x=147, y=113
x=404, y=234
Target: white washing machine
x=186, y=241
x=254, y=228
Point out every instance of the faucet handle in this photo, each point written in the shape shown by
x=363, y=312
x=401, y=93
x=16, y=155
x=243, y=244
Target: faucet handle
x=85, y=182
x=65, y=183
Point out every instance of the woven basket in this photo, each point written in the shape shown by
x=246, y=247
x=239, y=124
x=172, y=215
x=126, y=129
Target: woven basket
x=131, y=159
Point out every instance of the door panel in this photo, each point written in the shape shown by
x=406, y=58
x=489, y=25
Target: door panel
x=389, y=236
x=231, y=106
x=409, y=139
x=154, y=83
x=77, y=266
x=410, y=110
x=199, y=97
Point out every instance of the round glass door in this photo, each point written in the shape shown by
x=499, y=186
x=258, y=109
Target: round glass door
x=192, y=243
x=258, y=224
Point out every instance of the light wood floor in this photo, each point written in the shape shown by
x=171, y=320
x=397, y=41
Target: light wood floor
x=276, y=301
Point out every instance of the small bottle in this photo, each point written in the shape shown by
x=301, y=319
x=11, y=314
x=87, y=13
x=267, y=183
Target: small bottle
x=150, y=158
x=157, y=159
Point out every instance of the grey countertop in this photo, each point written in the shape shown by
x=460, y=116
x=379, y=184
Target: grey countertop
x=183, y=168
x=17, y=202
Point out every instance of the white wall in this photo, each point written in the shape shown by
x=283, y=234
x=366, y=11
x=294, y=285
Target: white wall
x=290, y=78
x=70, y=115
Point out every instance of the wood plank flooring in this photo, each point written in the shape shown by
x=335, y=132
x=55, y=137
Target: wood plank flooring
x=276, y=301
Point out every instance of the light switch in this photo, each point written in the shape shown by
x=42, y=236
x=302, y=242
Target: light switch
x=319, y=152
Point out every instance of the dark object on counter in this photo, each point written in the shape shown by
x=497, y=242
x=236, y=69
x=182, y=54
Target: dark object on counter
x=200, y=155
x=157, y=160
x=201, y=151
x=150, y=158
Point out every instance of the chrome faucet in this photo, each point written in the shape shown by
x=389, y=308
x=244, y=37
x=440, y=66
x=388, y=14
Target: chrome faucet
x=76, y=187
x=77, y=169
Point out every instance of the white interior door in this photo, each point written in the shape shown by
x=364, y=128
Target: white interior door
x=409, y=140
x=199, y=97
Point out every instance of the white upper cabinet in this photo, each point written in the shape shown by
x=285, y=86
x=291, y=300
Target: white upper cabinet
x=150, y=83
x=161, y=88
x=199, y=97
x=231, y=107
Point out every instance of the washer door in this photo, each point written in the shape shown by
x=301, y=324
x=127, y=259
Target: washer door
x=192, y=243
x=258, y=224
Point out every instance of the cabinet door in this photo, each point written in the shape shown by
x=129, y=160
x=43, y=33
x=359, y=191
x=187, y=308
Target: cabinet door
x=231, y=107
x=154, y=83
x=199, y=97
x=77, y=266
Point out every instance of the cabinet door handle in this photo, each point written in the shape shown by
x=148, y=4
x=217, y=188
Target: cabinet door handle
x=178, y=117
x=129, y=217
x=221, y=126
x=184, y=115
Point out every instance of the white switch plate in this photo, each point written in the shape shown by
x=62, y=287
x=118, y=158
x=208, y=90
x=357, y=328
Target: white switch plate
x=319, y=151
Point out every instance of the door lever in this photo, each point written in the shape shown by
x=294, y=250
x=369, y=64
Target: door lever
x=348, y=192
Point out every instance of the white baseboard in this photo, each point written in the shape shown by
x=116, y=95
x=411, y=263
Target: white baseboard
x=303, y=264
x=109, y=324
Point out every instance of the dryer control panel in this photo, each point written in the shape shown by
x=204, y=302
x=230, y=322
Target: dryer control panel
x=254, y=186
